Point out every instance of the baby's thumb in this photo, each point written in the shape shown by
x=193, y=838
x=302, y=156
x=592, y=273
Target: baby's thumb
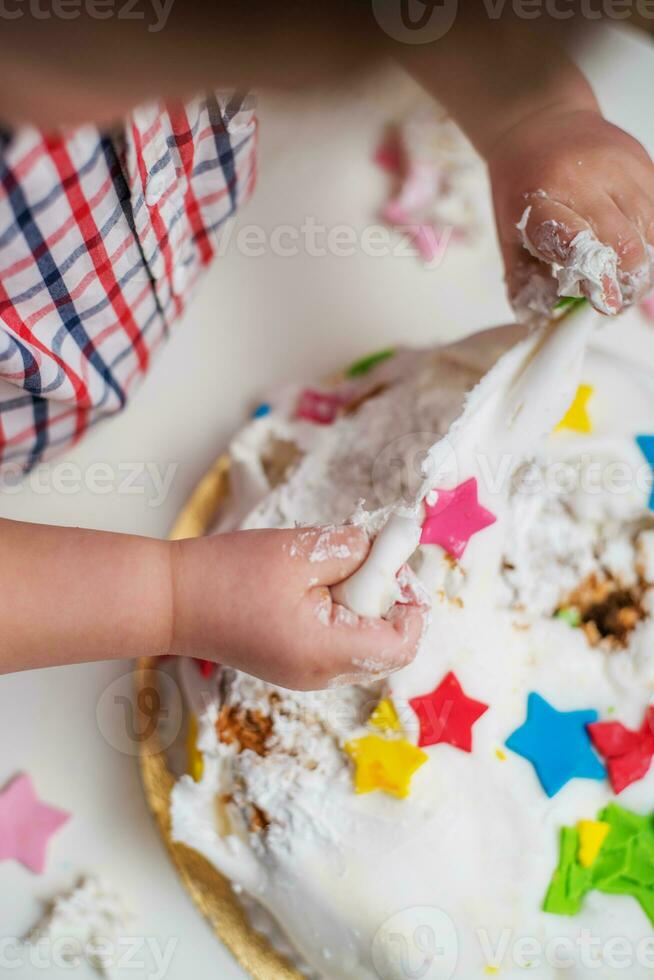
x=330, y=554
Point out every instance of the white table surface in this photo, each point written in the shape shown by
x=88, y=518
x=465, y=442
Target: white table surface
x=255, y=320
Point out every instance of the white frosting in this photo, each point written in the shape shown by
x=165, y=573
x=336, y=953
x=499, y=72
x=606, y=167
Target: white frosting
x=516, y=404
x=366, y=886
x=589, y=263
x=373, y=589
x=588, y=268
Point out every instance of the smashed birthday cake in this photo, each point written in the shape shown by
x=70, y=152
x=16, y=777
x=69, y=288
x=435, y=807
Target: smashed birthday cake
x=489, y=809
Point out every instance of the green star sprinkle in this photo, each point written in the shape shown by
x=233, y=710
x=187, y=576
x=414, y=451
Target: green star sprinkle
x=368, y=362
x=623, y=866
x=570, y=881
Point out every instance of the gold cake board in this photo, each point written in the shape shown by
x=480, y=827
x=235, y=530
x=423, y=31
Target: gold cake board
x=210, y=891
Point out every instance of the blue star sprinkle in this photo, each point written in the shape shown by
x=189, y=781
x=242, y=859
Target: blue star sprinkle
x=646, y=446
x=263, y=409
x=557, y=744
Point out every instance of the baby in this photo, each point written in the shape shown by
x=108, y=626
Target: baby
x=105, y=227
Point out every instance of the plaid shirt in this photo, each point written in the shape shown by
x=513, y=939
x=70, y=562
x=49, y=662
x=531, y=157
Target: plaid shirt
x=102, y=238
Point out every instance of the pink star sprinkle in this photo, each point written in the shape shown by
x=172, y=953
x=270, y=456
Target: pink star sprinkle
x=454, y=518
x=26, y=824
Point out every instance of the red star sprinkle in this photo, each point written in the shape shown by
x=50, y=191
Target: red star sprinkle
x=320, y=407
x=206, y=666
x=447, y=715
x=628, y=754
x=26, y=824
x=454, y=518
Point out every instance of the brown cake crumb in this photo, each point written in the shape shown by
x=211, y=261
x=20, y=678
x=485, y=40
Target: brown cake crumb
x=279, y=458
x=259, y=821
x=607, y=610
x=365, y=396
x=248, y=729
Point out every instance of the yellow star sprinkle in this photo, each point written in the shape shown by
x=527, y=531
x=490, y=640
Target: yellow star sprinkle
x=592, y=834
x=195, y=762
x=500, y=755
x=385, y=718
x=577, y=417
x=492, y=970
x=386, y=764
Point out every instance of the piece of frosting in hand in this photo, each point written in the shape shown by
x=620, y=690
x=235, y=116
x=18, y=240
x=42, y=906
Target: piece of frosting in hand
x=373, y=589
x=587, y=268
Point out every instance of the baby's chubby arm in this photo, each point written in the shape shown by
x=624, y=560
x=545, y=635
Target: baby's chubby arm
x=260, y=600
x=507, y=80
x=580, y=188
x=255, y=600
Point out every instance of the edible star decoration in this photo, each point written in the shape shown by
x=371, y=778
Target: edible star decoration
x=557, y=744
x=646, y=446
x=385, y=718
x=320, y=407
x=386, y=764
x=447, y=715
x=628, y=754
x=622, y=863
x=577, y=418
x=454, y=518
x=26, y=824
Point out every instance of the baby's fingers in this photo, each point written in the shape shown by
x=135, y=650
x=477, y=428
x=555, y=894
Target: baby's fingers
x=531, y=287
x=326, y=555
x=584, y=264
x=348, y=649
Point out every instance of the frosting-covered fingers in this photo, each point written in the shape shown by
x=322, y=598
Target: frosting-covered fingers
x=582, y=263
x=326, y=555
x=635, y=244
x=603, y=252
x=531, y=287
x=350, y=649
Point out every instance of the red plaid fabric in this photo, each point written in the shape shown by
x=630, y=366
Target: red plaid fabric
x=102, y=238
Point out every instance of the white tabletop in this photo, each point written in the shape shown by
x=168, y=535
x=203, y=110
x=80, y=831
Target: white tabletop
x=256, y=320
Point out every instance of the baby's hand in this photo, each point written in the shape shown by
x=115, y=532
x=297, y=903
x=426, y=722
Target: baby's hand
x=260, y=601
x=582, y=191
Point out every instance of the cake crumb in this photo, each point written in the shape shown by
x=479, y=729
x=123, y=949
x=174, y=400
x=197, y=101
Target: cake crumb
x=608, y=611
x=259, y=821
x=249, y=729
x=279, y=458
